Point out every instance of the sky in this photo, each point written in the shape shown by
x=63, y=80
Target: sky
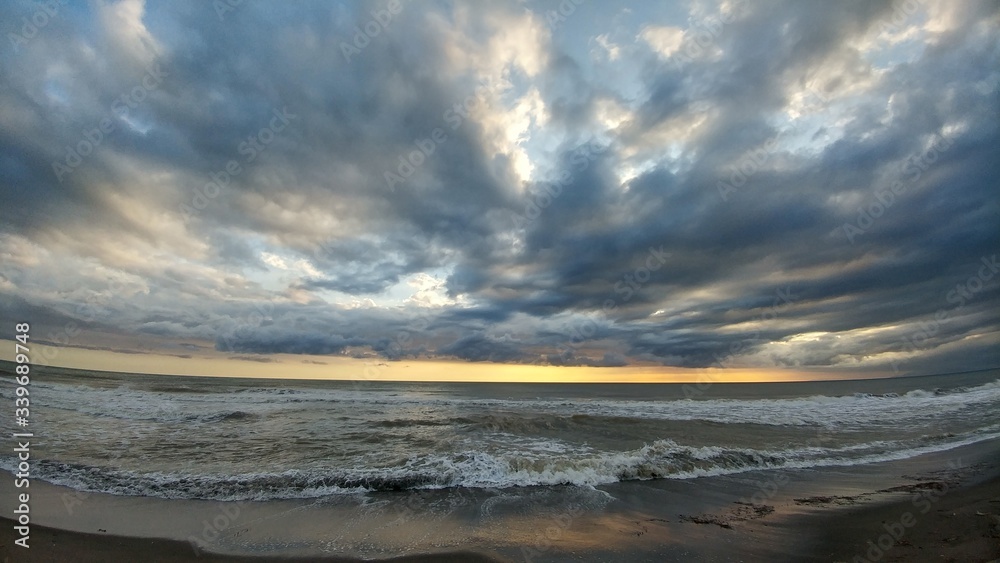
x=573, y=187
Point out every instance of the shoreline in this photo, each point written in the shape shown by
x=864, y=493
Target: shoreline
x=964, y=525
x=820, y=514
x=934, y=524
x=52, y=545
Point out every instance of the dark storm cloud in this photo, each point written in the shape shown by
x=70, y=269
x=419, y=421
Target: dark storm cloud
x=663, y=238
x=278, y=340
x=478, y=348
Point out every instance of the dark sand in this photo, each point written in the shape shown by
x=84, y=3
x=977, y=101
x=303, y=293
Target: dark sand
x=939, y=511
x=960, y=525
x=49, y=545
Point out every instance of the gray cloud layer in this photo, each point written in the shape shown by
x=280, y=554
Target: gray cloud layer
x=764, y=184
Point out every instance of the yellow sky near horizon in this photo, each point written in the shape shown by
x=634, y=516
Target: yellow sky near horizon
x=289, y=366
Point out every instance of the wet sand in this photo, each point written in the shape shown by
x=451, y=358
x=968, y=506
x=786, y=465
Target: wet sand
x=961, y=525
x=943, y=506
x=50, y=545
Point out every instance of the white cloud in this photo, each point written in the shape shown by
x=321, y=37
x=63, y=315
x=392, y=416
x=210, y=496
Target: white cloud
x=665, y=40
x=122, y=23
x=430, y=291
x=612, y=49
x=273, y=260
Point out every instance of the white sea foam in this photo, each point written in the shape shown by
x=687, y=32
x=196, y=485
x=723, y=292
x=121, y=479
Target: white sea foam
x=480, y=469
x=220, y=441
x=848, y=410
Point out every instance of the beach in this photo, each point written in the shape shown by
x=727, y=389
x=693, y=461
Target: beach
x=522, y=281
x=796, y=515
x=159, y=468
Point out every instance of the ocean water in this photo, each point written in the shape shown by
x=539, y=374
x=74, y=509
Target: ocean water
x=251, y=439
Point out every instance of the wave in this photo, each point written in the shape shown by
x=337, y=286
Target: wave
x=479, y=469
x=819, y=410
x=231, y=416
x=412, y=422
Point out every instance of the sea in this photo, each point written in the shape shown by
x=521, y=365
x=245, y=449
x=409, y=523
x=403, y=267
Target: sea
x=262, y=439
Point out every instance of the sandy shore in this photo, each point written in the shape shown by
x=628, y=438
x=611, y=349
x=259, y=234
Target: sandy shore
x=943, y=506
x=963, y=525
x=50, y=545
x=960, y=524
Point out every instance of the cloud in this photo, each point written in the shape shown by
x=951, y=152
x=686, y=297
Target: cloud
x=479, y=348
x=664, y=40
x=843, y=153
x=273, y=260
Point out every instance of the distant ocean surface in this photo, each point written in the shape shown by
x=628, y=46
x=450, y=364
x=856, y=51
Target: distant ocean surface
x=251, y=439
